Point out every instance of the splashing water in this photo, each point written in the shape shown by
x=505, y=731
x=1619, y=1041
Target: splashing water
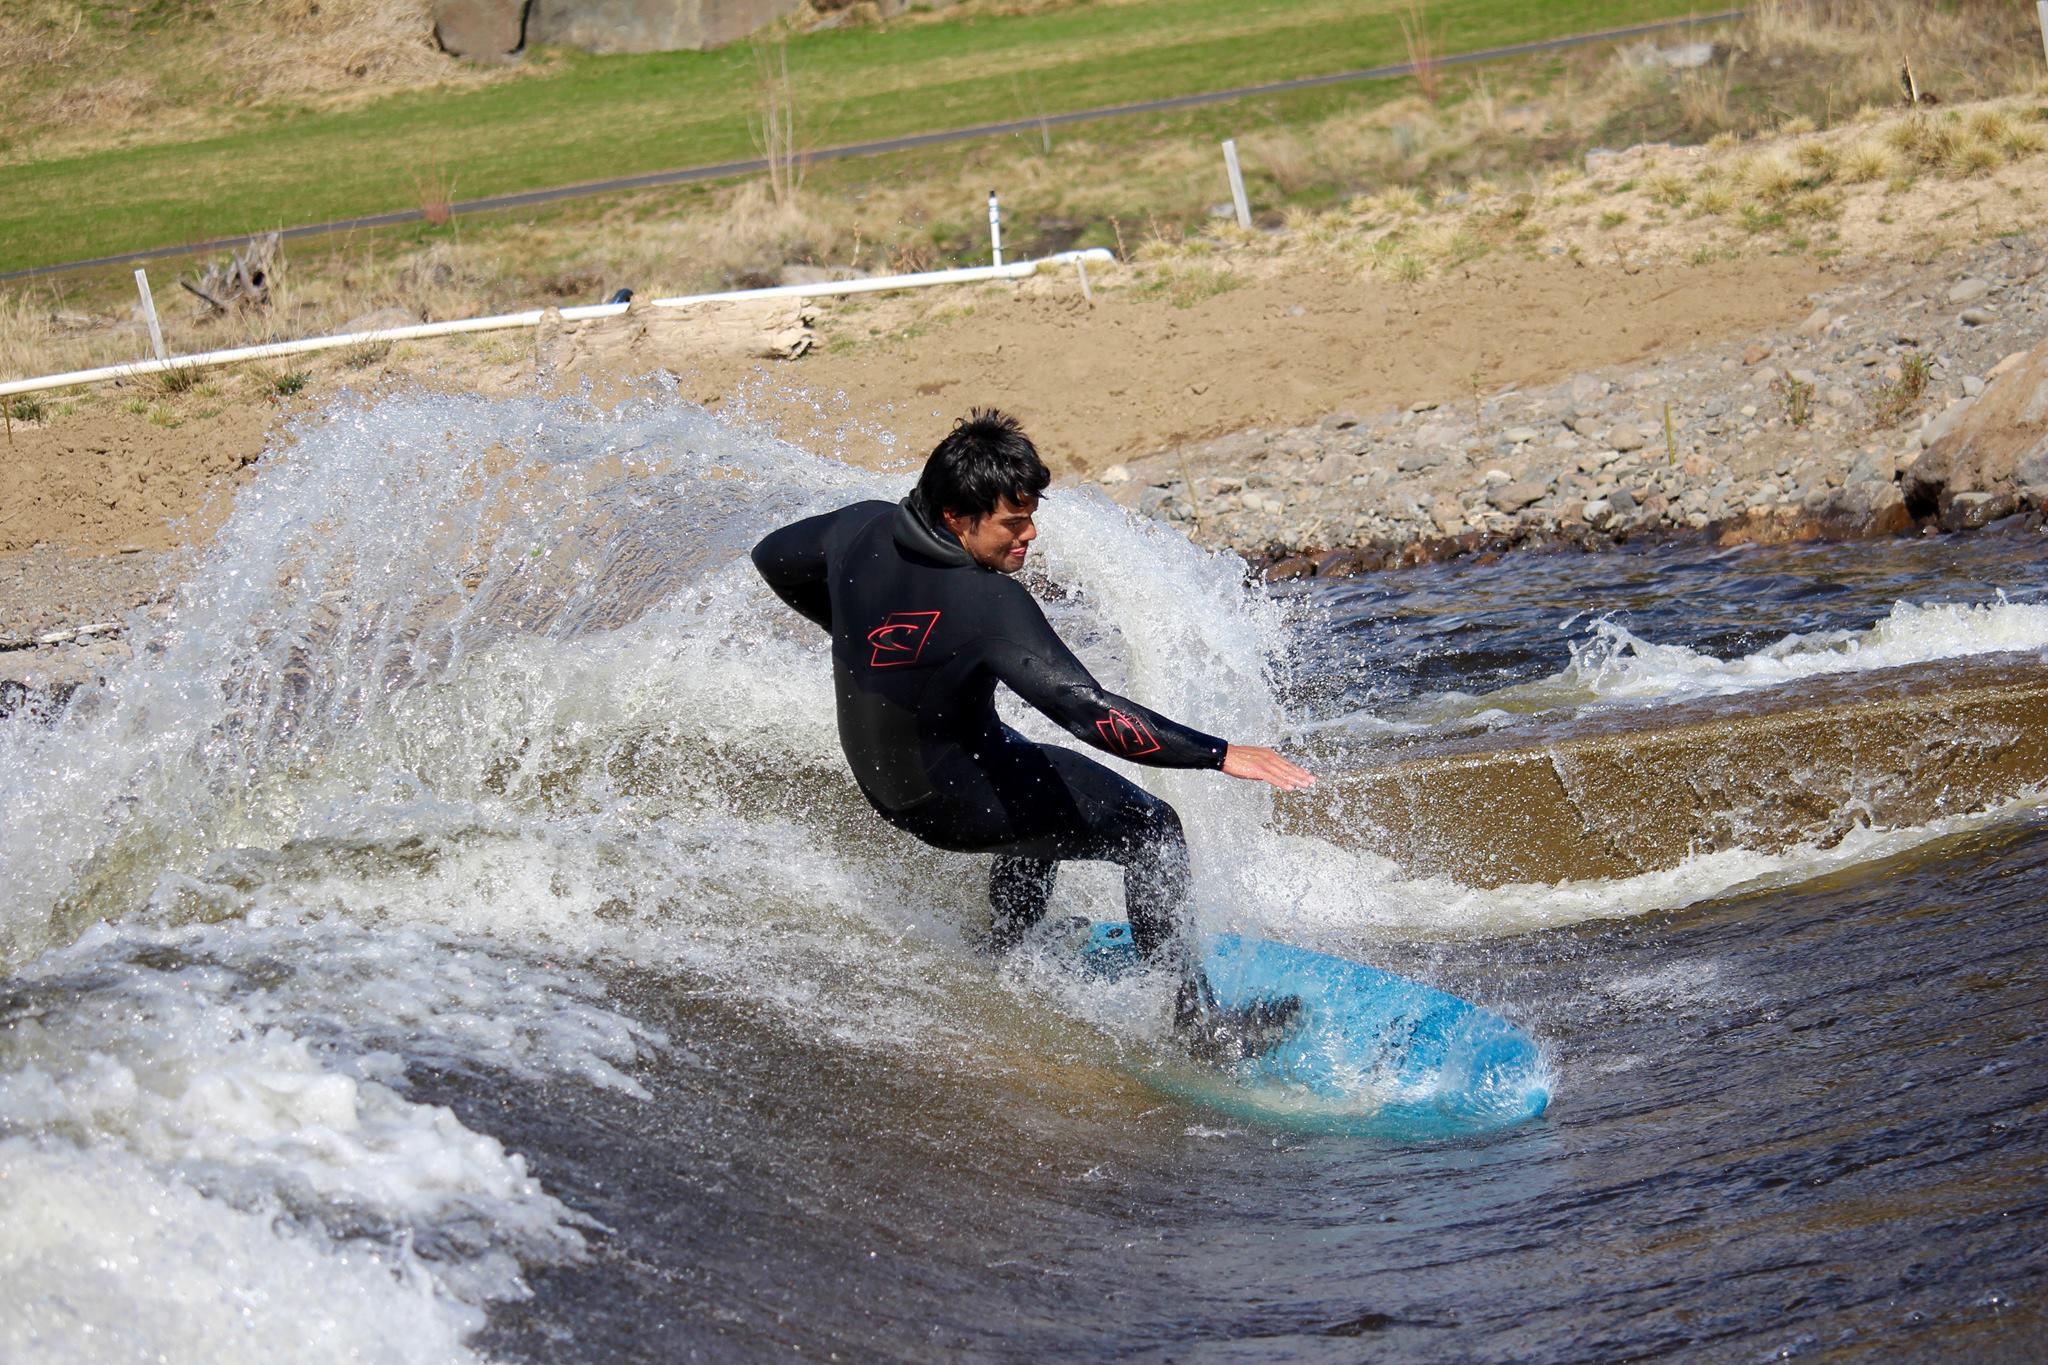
x=472, y=701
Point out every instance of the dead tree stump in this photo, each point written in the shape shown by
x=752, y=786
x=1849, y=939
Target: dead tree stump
x=243, y=281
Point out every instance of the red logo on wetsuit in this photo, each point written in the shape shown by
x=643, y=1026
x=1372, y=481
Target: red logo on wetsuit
x=1127, y=734
x=900, y=638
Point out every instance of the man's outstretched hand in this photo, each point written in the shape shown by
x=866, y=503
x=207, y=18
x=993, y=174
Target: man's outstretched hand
x=1255, y=764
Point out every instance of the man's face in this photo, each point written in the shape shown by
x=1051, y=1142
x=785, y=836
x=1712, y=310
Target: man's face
x=1000, y=539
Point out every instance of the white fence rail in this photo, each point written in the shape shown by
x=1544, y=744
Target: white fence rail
x=532, y=317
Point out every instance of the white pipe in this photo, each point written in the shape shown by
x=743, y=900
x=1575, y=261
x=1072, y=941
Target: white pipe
x=532, y=317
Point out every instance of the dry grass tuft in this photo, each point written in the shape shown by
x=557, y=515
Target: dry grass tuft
x=1867, y=161
x=1669, y=189
x=1771, y=177
x=1716, y=200
x=1820, y=160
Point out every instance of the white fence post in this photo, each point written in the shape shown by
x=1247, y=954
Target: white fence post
x=1244, y=211
x=156, y=331
x=995, y=227
x=2041, y=8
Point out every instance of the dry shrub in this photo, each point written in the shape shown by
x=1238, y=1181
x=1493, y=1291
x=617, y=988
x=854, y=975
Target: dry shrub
x=1867, y=161
x=1703, y=102
x=1772, y=177
x=1422, y=51
x=1669, y=189
x=1715, y=200
x=1971, y=157
x=1817, y=205
x=1820, y=160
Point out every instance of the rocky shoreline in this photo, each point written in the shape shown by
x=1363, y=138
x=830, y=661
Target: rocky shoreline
x=1874, y=416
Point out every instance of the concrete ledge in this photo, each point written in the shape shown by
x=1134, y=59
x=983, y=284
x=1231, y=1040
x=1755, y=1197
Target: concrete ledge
x=1638, y=790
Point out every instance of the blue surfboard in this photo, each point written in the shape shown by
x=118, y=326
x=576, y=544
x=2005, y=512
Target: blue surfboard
x=1369, y=1052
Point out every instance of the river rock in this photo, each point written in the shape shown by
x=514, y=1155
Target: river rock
x=1997, y=444
x=480, y=28
x=1968, y=511
x=1868, y=507
x=1978, y=317
x=1513, y=497
x=1968, y=291
x=1756, y=353
x=1626, y=436
x=1350, y=563
x=1872, y=466
x=1943, y=422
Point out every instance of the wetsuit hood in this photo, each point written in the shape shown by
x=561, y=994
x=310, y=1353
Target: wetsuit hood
x=919, y=537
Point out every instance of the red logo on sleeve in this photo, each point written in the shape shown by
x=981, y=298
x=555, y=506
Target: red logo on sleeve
x=1127, y=734
x=900, y=638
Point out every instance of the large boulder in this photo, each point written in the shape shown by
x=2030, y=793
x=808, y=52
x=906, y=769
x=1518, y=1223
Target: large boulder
x=649, y=25
x=1997, y=445
x=480, y=28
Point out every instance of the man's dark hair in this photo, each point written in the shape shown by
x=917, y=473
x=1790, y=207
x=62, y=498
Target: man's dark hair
x=985, y=458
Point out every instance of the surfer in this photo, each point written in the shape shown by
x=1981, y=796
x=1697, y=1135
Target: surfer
x=925, y=621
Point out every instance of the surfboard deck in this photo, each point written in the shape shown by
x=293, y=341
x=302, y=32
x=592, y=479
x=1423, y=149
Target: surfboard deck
x=1369, y=1053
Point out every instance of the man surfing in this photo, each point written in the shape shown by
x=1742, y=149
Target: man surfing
x=925, y=621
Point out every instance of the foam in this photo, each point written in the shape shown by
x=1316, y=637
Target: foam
x=1614, y=664
x=107, y=1258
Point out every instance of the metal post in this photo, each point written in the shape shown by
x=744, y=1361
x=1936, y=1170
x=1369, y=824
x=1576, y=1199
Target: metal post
x=156, y=331
x=995, y=227
x=2042, y=9
x=1244, y=211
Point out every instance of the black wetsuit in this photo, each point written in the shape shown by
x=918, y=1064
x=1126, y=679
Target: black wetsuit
x=921, y=635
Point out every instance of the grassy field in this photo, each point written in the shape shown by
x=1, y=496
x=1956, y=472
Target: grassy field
x=586, y=118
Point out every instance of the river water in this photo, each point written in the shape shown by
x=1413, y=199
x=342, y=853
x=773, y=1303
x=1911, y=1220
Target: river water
x=455, y=935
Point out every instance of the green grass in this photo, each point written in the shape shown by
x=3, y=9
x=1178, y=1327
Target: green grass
x=591, y=118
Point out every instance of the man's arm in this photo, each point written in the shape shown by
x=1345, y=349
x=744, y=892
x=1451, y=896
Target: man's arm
x=1032, y=661
x=793, y=561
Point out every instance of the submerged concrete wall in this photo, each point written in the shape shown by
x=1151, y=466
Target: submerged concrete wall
x=1636, y=791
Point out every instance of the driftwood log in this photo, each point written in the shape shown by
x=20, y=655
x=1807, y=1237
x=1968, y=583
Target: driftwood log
x=243, y=281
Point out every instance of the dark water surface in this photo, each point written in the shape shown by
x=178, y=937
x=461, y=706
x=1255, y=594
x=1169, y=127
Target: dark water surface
x=1803, y=1122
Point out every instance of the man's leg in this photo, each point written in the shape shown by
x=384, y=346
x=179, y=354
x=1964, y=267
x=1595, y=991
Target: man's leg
x=1120, y=822
x=1018, y=889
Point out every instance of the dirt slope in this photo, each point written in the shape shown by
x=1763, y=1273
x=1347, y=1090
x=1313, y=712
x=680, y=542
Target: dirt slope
x=1095, y=384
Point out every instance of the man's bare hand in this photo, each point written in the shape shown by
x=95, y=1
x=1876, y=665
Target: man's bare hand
x=1255, y=764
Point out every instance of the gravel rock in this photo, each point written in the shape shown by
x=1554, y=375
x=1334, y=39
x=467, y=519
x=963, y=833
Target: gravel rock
x=1513, y=497
x=1626, y=436
x=1968, y=291
x=1977, y=317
